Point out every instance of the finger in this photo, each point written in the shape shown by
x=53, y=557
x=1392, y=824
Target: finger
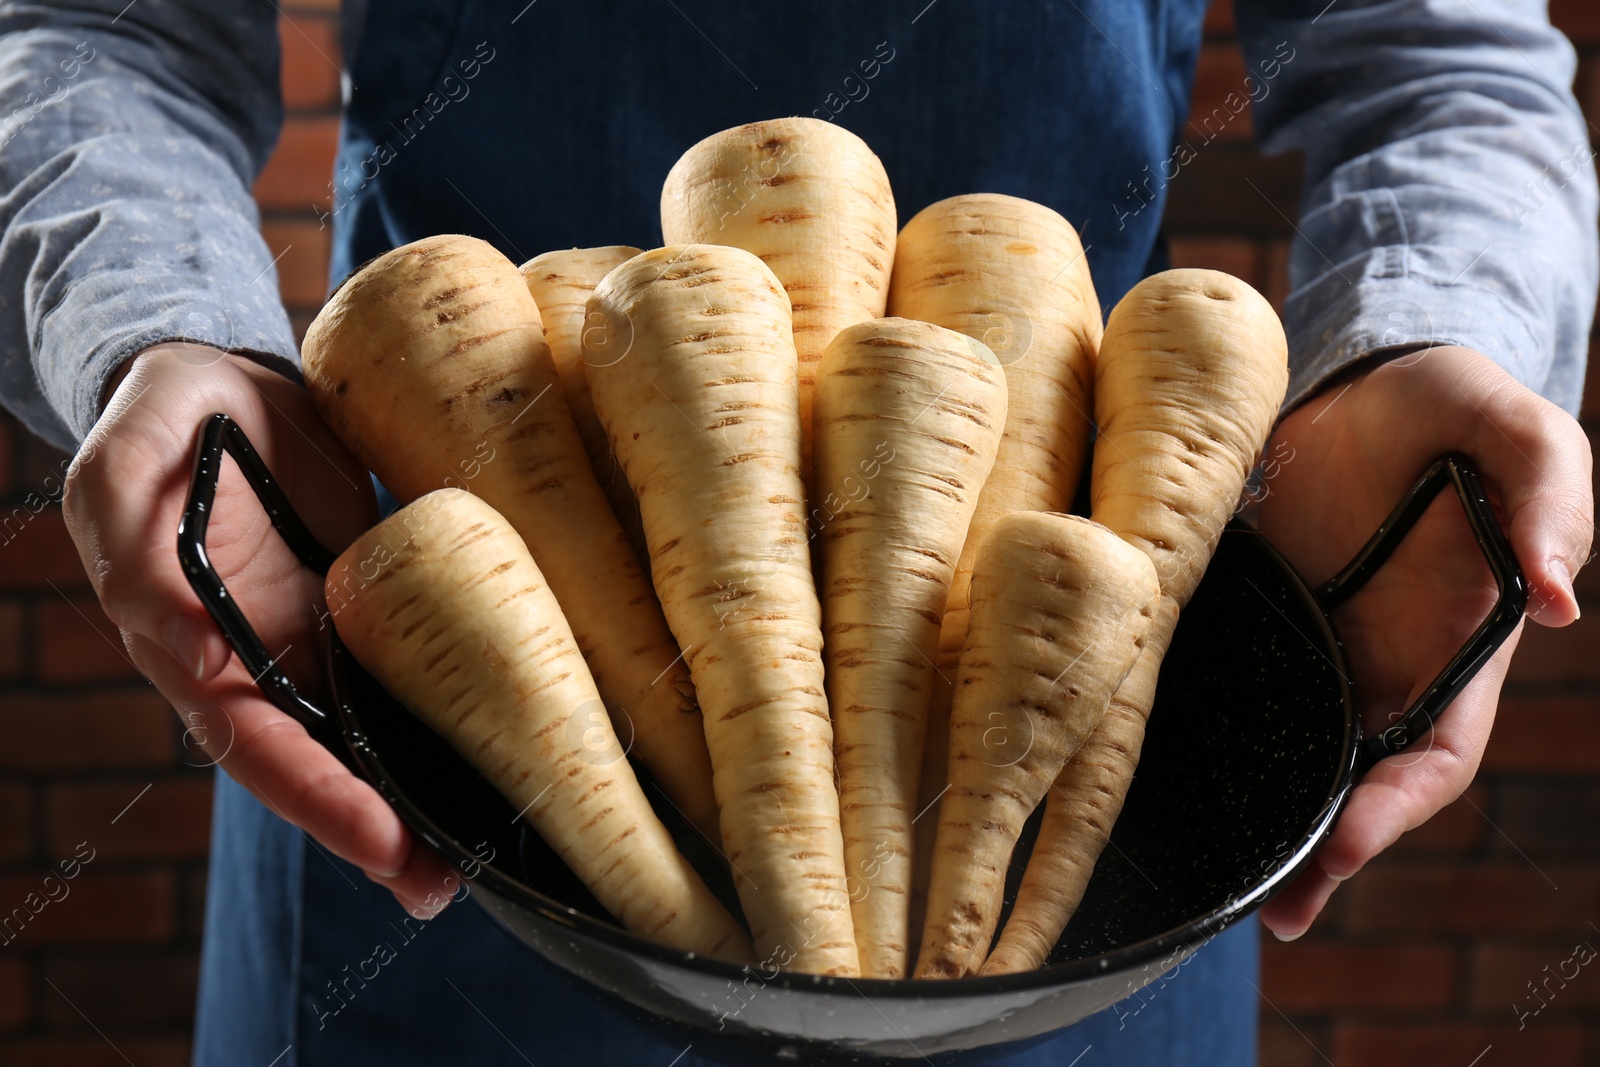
x=1291, y=913
x=427, y=886
x=1544, y=483
x=273, y=757
x=1398, y=794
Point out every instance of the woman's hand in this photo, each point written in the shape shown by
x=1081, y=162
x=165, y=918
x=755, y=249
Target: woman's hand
x=124, y=495
x=1356, y=448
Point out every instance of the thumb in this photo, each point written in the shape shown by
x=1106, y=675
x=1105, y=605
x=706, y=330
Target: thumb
x=123, y=494
x=126, y=491
x=1544, y=483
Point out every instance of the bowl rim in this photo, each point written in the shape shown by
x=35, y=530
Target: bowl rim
x=1175, y=943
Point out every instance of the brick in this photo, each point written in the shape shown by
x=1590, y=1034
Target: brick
x=1561, y=984
x=1238, y=257
x=1275, y=273
x=98, y=909
x=1280, y=1045
x=1212, y=194
x=1219, y=107
x=1562, y=656
x=1415, y=900
x=16, y=1001
x=170, y=820
x=1313, y=977
x=1219, y=18
x=16, y=821
x=96, y=1051
x=298, y=175
x=1455, y=1045
x=1578, y=19
x=1586, y=583
x=13, y=640
x=192, y=903
x=129, y=727
x=10, y=429
x=1590, y=407
x=78, y=644
x=1458, y=829
x=303, y=267
x=35, y=551
x=300, y=322
x=143, y=989
x=311, y=60
x=40, y=466
x=1550, y=817
x=1552, y=735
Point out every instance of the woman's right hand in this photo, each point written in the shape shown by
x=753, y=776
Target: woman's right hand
x=125, y=493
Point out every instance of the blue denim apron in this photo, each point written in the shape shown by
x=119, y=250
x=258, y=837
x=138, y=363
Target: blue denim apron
x=552, y=124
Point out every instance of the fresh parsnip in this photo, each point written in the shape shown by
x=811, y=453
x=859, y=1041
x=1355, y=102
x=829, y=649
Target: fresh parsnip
x=561, y=282
x=809, y=199
x=908, y=418
x=692, y=367
x=1191, y=374
x=430, y=364
x=1060, y=609
x=1012, y=274
x=454, y=620
x=1079, y=813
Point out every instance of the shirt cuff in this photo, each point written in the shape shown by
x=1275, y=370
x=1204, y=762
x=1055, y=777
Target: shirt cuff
x=101, y=322
x=1373, y=314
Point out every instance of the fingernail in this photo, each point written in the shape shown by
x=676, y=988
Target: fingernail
x=186, y=640
x=1338, y=877
x=424, y=911
x=1287, y=937
x=1561, y=574
x=1561, y=578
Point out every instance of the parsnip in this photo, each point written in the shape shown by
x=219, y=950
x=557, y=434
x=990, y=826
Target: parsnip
x=1079, y=813
x=454, y=619
x=430, y=365
x=908, y=417
x=1060, y=609
x=561, y=282
x=1191, y=373
x=812, y=201
x=696, y=387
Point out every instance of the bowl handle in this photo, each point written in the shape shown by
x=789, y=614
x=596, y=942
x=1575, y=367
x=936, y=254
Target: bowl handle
x=221, y=434
x=1485, y=640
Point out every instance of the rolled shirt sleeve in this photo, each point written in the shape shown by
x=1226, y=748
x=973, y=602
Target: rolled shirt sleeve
x=1450, y=192
x=130, y=135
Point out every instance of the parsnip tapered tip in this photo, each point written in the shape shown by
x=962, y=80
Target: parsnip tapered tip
x=1060, y=609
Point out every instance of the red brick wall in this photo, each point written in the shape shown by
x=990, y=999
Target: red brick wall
x=1418, y=960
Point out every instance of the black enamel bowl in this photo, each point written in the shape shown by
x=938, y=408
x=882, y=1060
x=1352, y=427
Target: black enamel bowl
x=1252, y=749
